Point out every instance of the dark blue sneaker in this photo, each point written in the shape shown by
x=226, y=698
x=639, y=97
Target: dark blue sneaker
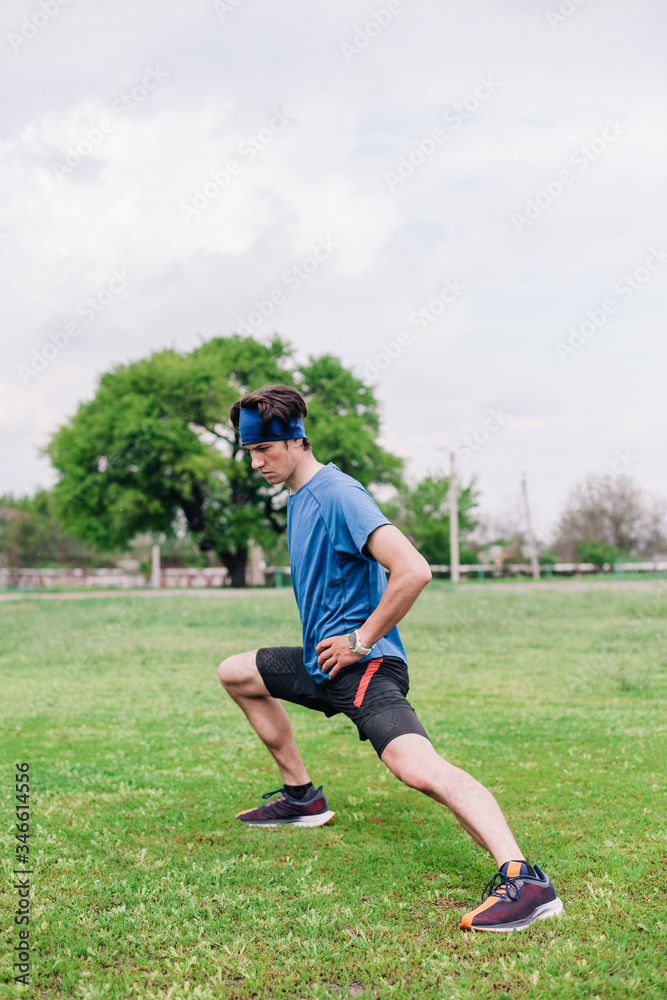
x=311, y=811
x=516, y=895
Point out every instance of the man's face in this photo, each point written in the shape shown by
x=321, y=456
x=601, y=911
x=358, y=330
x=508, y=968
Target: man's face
x=273, y=460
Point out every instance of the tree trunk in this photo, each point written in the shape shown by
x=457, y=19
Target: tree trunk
x=235, y=563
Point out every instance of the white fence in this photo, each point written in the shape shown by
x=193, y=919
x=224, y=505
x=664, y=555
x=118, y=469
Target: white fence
x=481, y=570
x=211, y=576
x=562, y=569
x=276, y=576
x=45, y=579
x=38, y=579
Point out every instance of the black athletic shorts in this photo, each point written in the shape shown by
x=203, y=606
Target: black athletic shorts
x=371, y=694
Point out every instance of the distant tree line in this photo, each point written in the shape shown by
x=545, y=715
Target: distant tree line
x=32, y=534
x=154, y=454
x=605, y=518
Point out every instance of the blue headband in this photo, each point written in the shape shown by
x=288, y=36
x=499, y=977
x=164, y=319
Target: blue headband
x=250, y=426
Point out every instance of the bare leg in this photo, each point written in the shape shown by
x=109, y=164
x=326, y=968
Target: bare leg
x=243, y=683
x=412, y=759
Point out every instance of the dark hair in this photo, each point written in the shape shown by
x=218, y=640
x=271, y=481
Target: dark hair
x=279, y=401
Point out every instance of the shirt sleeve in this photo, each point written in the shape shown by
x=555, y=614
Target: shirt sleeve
x=357, y=517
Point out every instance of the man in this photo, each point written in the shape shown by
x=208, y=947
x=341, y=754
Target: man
x=352, y=659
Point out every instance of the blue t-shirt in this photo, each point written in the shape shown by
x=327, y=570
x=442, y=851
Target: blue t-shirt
x=336, y=585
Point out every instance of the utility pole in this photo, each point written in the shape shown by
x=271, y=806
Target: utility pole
x=453, y=522
x=532, y=547
x=155, y=566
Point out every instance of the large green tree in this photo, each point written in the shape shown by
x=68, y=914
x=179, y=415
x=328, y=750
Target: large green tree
x=155, y=446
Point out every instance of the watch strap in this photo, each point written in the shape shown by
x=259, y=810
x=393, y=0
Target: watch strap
x=358, y=648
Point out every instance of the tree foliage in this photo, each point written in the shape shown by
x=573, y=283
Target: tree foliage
x=344, y=423
x=422, y=512
x=598, y=553
x=32, y=535
x=155, y=444
x=610, y=511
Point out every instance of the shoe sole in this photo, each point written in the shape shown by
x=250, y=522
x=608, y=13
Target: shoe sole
x=318, y=820
x=551, y=909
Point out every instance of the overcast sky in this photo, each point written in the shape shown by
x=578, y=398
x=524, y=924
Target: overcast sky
x=464, y=201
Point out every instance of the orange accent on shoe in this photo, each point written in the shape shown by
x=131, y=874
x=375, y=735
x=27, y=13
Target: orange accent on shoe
x=514, y=869
x=365, y=681
x=467, y=919
x=244, y=811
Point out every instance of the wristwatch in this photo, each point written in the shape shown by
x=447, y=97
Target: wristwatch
x=355, y=643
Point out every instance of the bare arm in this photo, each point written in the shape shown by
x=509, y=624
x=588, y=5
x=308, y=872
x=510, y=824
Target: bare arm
x=409, y=575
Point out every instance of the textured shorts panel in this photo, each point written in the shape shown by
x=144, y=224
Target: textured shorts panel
x=382, y=728
x=280, y=659
x=286, y=677
x=371, y=694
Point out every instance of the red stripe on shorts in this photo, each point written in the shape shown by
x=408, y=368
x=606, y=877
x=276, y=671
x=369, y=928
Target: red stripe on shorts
x=365, y=681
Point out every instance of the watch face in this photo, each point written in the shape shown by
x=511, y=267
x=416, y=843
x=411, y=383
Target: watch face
x=352, y=640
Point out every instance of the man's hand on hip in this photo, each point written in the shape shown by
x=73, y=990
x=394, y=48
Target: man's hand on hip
x=334, y=654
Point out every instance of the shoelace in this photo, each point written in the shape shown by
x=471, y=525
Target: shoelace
x=506, y=888
x=278, y=791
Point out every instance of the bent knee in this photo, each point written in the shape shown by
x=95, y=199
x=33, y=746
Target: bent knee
x=421, y=781
x=412, y=759
x=235, y=671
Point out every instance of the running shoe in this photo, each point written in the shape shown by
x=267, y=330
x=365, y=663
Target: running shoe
x=515, y=896
x=311, y=811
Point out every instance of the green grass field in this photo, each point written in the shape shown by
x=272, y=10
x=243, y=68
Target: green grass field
x=145, y=885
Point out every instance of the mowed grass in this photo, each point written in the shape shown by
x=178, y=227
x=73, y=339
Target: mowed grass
x=147, y=887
